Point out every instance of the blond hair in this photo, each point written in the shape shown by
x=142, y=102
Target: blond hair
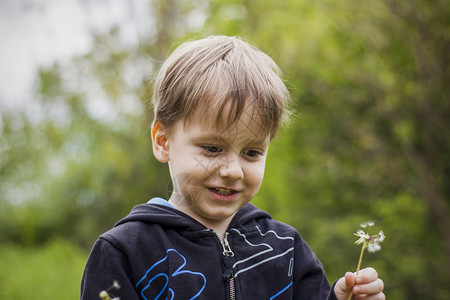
x=218, y=74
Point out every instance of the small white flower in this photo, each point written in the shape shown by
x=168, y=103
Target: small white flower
x=104, y=294
x=116, y=285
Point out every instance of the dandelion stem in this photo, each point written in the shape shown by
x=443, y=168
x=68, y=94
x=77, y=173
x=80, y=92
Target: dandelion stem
x=360, y=258
x=359, y=264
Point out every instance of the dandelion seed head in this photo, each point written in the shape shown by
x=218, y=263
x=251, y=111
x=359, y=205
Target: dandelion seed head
x=372, y=242
x=374, y=247
x=363, y=237
x=360, y=232
x=382, y=236
x=367, y=224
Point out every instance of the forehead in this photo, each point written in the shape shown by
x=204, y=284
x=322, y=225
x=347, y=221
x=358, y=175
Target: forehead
x=248, y=124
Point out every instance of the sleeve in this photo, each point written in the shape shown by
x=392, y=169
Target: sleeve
x=332, y=295
x=310, y=280
x=107, y=264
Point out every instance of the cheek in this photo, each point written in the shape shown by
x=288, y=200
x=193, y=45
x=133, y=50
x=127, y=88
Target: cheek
x=196, y=169
x=186, y=159
x=205, y=167
x=255, y=174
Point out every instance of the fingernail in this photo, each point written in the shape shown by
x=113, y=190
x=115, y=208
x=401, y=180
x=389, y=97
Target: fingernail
x=356, y=290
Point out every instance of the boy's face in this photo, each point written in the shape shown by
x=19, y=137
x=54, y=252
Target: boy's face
x=214, y=171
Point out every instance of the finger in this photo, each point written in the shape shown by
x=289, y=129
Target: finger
x=379, y=296
x=366, y=275
x=372, y=288
x=350, y=280
x=344, y=286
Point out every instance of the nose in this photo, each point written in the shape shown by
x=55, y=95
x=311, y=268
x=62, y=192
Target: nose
x=231, y=168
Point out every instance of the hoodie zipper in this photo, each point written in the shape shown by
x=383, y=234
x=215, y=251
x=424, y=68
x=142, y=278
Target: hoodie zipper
x=228, y=255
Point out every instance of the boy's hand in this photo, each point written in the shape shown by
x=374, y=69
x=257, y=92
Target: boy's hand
x=366, y=286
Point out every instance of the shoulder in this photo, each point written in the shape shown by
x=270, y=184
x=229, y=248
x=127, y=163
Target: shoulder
x=148, y=223
x=265, y=222
x=278, y=226
x=123, y=234
x=281, y=229
x=141, y=223
x=263, y=228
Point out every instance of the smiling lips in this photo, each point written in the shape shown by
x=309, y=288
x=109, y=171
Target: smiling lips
x=223, y=191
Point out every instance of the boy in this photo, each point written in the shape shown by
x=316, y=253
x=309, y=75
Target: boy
x=218, y=103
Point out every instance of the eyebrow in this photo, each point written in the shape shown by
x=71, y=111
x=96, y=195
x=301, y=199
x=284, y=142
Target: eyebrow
x=218, y=137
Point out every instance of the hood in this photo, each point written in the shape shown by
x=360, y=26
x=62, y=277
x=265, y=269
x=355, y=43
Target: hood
x=170, y=217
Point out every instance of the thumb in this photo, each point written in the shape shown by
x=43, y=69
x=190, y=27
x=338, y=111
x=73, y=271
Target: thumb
x=350, y=281
x=344, y=286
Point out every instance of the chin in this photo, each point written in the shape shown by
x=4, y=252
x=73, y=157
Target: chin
x=222, y=212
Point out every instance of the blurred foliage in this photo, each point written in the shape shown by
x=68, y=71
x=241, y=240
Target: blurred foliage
x=369, y=82
x=50, y=271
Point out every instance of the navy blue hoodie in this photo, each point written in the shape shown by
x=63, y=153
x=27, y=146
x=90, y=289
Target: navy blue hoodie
x=158, y=252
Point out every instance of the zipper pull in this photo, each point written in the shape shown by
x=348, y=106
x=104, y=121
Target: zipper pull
x=228, y=261
x=226, y=246
x=228, y=255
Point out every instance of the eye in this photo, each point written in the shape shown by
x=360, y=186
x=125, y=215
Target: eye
x=253, y=153
x=211, y=149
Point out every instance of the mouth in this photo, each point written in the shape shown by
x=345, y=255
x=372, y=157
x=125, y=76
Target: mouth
x=223, y=191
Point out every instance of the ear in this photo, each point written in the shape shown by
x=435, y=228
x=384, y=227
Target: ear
x=160, y=141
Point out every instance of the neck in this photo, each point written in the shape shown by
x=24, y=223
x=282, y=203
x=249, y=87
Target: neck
x=219, y=226
x=219, y=229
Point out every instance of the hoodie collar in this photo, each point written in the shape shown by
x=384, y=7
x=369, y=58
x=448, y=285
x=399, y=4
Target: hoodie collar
x=171, y=217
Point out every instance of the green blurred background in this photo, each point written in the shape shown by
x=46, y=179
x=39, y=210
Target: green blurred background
x=370, y=141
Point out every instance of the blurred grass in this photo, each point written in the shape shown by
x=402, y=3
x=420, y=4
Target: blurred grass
x=51, y=271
